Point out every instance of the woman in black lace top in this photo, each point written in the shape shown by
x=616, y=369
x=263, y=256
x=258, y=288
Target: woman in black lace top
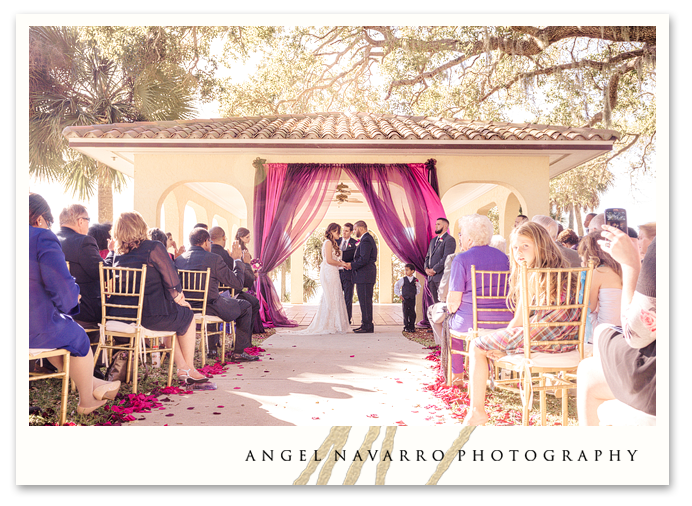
x=164, y=306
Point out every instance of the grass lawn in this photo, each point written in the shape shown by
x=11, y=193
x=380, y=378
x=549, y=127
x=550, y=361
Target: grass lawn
x=45, y=395
x=503, y=407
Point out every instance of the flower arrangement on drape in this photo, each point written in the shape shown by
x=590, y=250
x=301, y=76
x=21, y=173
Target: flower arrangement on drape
x=292, y=199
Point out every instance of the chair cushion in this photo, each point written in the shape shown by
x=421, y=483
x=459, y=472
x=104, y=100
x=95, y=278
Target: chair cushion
x=618, y=413
x=464, y=335
x=37, y=351
x=567, y=360
x=129, y=328
x=208, y=318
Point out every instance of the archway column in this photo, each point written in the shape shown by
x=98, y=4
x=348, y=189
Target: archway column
x=297, y=275
x=385, y=274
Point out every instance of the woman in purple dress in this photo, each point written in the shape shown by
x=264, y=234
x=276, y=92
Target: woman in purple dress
x=475, y=233
x=54, y=297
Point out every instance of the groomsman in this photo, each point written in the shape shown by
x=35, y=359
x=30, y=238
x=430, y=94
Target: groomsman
x=441, y=246
x=347, y=244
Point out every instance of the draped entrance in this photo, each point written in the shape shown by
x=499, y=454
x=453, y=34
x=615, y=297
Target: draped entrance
x=292, y=199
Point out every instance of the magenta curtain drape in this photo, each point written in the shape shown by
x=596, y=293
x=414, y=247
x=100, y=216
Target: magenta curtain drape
x=292, y=199
x=290, y=202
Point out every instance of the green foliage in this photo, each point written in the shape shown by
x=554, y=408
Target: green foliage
x=494, y=216
x=603, y=77
x=312, y=252
x=71, y=83
x=397, y=274
x=309, y=288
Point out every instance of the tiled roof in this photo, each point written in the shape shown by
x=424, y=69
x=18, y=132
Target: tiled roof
x=335, y=126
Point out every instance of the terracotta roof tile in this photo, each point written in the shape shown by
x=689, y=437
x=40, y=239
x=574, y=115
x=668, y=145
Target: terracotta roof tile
x=347, y=126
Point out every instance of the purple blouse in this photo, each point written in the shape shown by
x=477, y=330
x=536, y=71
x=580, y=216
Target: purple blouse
x=485, y=258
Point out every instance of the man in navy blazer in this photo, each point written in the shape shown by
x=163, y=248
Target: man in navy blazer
x=82, y=252
x=441, y=246
x=348, y=250
x=198, y=258
x=364, y=275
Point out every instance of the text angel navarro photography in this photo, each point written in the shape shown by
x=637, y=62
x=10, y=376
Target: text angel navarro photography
x=559, y=455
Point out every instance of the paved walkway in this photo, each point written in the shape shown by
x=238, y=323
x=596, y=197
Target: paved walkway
x=317, y=380
x=382, y=314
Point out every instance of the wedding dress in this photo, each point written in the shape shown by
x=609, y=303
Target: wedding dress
x=331, y=317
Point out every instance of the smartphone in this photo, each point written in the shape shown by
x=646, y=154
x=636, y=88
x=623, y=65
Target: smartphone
x=617, y=218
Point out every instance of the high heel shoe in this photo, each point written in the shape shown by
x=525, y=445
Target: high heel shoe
x=107, y=391
x=189, y=380
x=86, y=411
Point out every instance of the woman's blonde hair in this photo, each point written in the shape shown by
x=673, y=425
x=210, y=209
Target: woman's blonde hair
x=648, y=229
x=547, y=256
x=328, y=235
x=129, y=231
x=589, y=248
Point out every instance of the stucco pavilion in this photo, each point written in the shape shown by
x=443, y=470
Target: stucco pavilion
x=207, y=165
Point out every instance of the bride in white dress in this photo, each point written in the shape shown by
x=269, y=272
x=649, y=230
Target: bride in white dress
x=331, y=317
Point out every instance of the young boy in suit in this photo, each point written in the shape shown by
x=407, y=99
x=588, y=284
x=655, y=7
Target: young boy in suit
x=407, y=288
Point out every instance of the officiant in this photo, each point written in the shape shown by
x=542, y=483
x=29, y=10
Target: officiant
x=347, y=244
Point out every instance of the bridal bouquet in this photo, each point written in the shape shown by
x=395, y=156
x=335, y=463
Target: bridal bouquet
x=256, y=264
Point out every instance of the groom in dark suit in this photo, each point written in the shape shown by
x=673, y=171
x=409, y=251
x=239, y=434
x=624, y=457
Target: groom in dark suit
x=365, y=275
x=347, y=244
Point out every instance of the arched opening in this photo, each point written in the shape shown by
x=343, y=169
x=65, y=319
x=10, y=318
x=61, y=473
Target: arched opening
x=499, y=201
x=213, y=203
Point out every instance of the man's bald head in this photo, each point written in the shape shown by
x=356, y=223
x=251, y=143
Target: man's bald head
x=217, y=235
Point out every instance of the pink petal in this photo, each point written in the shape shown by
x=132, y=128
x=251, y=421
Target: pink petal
x=236, y=388
x=315, y=417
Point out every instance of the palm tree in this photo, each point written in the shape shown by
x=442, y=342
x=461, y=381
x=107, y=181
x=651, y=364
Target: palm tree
x=71, y=83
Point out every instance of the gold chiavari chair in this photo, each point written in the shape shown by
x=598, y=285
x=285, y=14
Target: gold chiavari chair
x=36, y=354
x=539, y=371
x=231, y=325
x=128, y=283
x=196, y=290
x=89, y=328
x=480, y=291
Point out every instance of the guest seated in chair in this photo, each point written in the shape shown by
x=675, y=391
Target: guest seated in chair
x=101, y=232
x=199, y=258
x=475, y=233
x=243, y=238
x=82, y=251
x=164, y=306
x=54, y=298
x=533, y=244
x=624, y=363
